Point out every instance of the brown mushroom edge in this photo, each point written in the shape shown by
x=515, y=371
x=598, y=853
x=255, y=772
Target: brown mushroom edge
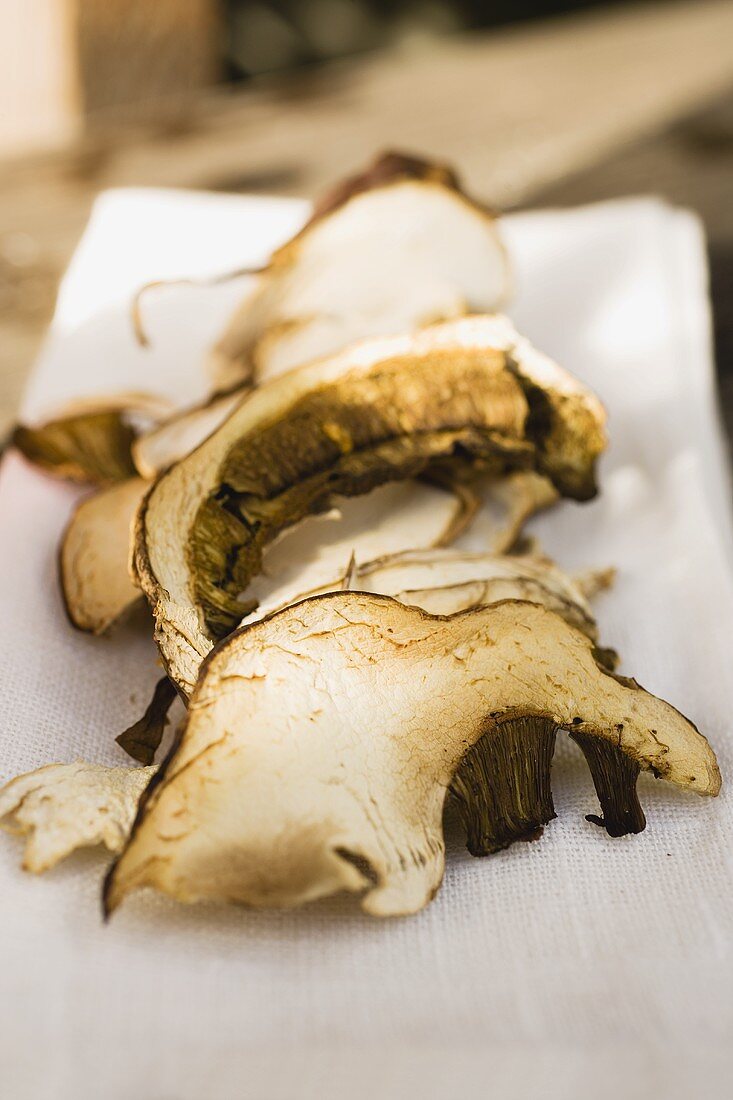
x=449, y=398
x=499, y=782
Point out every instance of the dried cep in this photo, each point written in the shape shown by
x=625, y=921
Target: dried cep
x=168, y=442
x=442, y=575
x=315, y=555
x=390, y=250
x=506, y=503
x=320, y=745
x=444, y=581
x=91, y=440
x=63, y=807
x=95, y=556
x=470, y=393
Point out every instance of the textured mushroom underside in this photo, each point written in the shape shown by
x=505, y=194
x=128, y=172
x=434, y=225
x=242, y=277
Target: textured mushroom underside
x=320, y=744
x=90, y=440
x=395, y=249
x=470, y=392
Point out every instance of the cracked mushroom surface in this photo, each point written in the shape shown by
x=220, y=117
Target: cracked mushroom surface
x=63, y=807
x=397, y=247
x=321, y=743
x=60, y=795
x=444, y=581
x=466, y=393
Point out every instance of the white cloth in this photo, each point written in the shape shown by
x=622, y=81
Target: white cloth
x=574, y=966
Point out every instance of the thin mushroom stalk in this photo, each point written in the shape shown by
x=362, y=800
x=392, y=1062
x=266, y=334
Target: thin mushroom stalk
x=321, y=743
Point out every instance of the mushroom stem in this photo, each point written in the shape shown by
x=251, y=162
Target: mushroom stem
x=614, y=778
x=502, y=786
x=142, y=739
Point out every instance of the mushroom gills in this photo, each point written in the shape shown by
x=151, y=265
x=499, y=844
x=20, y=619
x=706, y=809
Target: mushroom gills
x=90, y=441
x=446, y=398
x=502, y=786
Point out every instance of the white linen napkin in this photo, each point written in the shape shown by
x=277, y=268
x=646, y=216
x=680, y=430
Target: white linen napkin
x=577, y=965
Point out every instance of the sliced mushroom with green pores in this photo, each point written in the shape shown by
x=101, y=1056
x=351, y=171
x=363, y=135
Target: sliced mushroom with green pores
x=91, y=440
x=467, y=395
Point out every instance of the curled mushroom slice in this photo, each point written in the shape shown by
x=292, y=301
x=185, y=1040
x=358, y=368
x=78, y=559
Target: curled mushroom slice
x=95, y=555
x=314, y=555
x=390, y=250
x=63, y=807
x=444, y=581
x=157, y=449
x=471, y=391
x=320, y=744
x=90, y=440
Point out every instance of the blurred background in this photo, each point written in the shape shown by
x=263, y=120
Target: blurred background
x=536, y=102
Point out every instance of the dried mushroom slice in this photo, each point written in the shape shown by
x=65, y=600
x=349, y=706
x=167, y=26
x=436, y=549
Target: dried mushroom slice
x=314, y=555
x=516, y=578
x=155, y=450
x=63, y=807
x=320, y=745
x=395, y=248
x=95, y=554
x=468, y=392
x=445, y=581
x=91, y=440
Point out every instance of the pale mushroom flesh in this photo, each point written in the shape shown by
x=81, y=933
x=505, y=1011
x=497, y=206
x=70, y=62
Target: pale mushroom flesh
x=320, y=745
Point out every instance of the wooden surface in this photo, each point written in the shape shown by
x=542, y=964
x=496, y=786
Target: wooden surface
x=613, y=103
x=62, y=61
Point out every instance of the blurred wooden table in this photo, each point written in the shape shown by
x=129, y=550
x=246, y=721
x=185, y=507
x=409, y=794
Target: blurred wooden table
x=611, y=103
